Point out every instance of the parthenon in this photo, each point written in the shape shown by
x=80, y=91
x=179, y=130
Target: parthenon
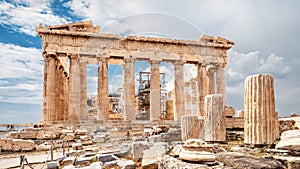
x=67, y=49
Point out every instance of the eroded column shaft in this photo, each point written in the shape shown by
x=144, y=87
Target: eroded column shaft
x=51, y=92
x=103, y=106
x=154, y=91
x=221, y=82
x=83, y=90
x=202, y=87
x=179, y=91
x=129, y=89
x=214, y=128
x=74, y=90
x=259, y=110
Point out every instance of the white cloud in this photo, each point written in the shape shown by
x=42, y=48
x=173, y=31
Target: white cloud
x=21, y=72
x=24, y=16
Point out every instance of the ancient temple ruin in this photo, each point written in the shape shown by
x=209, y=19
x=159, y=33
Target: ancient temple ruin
x=67, y=49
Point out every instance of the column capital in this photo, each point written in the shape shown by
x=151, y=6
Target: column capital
x=73, y=56
x=178, y=62
x=102, y=60
x=154, y=62
x=128, y=59
x=211, y=68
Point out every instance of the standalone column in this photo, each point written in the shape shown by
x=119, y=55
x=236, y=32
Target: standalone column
x=214, y=128
x=103, y=112
x=74, y=89
x=45, y=108
x=154, y=91
x=83, y=89
x=202, y=87
x=51, y=92
x=179, y=91
x=66, y=97
x=59, y=93
x=259, y=109
x=221, y=81
x=129, y=89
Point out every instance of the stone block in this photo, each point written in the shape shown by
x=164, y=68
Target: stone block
x=25, y=145
x=69, y=161
x=83, y=161
x=106, y=157
x=69, y=137
x=152, y=156
x=289, y=140
x=80, y=132
x=77, y=146
x=66, y=131
x=175, y=151
x=53, y=165
x=138, y=148
x=43, y=147
x=154, y=139
x=6, y=144
x=196, y=156
x=84, y=138
x=122, y=164
x=13, y=134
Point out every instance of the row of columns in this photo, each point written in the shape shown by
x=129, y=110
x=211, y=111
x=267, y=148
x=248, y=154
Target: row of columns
x=65, y=96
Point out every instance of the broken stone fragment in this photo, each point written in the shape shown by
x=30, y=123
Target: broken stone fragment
x=6, y=144
x=80, y=132
x=77, y=146
x=24, y=145
x=138, y=148
x=196, y=156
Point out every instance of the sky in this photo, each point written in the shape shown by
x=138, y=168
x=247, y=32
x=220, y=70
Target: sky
x=265, y=34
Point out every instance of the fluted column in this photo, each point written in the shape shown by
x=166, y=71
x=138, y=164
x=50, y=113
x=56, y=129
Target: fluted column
x=154, y=91
x=103, y=106
x=259, y=108
x=59, y=92
x=214, y=125
x=211, y=77
x=45, y=108
x=66, y=97
x=221, y=81
x=74, y=90
x=179, y=91
x=83, y=89
x=202, y=86
x=129, y=89
x=51, y=92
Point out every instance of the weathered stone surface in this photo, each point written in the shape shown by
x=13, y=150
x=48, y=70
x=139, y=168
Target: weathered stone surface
x=87, y=142
x=28, y=134
x=196, y=156
x=122, y=164
x=106, y=157
x=43, y=147
x=25, y=145
x=13, y=134
x=77, y=146
x=42, y=135
x=95, y=165
x=69, y=137
x=152, y=156
x=69, y=161
x=83, y=161
x=80, y=132
x=154, y=139
x=285, y=125
x=198, y=145
x=52, y=165
x=138, y=148
x=229, y=111
x=242, y=161
x=192, y=127
x=175, y=151
x=6, y=144
x=174, y=134
x=289, y=140
x=168, y=162
x=290, y=161
x=261, y=120
x=100, y=137
x=66, y=131
x=85, y=138
x=214, y=125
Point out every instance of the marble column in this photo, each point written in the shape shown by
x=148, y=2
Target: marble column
x=179, y=91
x=129, y=89
x=211, y=77
x=103, y=100
x=202, y=86
x=66, y=97
x=51, y=92
x=59, y=92
x=154, y=91
x=45, y=109
x=83, y=90
x=74, y=89
x=221, y=81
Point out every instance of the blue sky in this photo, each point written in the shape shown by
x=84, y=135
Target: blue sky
x=265, y=32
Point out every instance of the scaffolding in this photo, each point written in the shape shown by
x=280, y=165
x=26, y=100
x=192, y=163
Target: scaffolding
x=143, y=94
